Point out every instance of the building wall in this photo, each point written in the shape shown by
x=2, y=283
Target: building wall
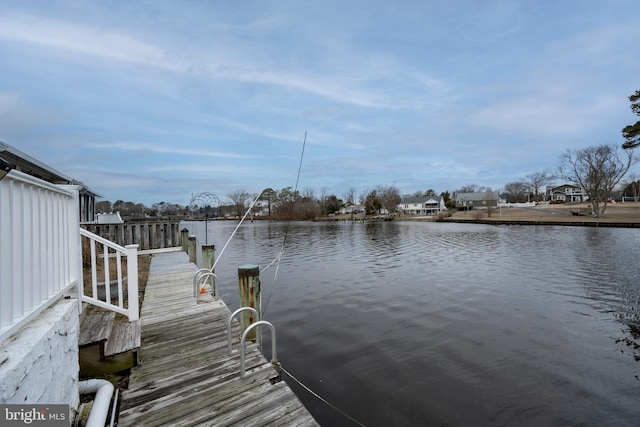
x=39, y=363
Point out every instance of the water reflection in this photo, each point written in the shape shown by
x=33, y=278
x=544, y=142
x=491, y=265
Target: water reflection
x=432, y=324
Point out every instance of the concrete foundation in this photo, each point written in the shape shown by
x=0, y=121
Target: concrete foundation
x=39, y=363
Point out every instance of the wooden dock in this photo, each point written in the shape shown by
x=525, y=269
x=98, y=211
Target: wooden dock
x=186, y=377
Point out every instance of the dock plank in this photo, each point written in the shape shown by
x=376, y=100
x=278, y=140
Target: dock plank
x=186, y=377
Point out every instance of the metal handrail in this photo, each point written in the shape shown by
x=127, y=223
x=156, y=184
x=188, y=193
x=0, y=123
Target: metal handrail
x=196, y=277
x=202, y=275
x=234, y=314
x=274, y=356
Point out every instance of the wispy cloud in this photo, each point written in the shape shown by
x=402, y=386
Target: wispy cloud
x=159, y=99
x=361, y=86
x=160, y=149
x=543, y=114
x=80, y=39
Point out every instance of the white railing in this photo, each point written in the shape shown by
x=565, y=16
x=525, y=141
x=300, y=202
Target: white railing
x=109, y=292
x=39, y=247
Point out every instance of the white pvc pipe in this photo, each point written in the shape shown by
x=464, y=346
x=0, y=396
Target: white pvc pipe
x=100, y=409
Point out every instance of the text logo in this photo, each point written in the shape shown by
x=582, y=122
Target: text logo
x=34, y=415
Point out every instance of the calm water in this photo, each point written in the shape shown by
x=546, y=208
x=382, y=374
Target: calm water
x=421, y=324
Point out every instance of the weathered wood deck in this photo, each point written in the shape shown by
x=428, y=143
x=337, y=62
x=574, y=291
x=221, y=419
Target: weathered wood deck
x=186, y=377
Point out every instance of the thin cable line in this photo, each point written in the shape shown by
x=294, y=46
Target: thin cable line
x=286, y=233
x=335, y=408
x=295, y=190
x=252, y=204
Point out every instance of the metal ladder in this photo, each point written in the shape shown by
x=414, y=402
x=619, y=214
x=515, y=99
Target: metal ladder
x=260, y=323
x=200, y=278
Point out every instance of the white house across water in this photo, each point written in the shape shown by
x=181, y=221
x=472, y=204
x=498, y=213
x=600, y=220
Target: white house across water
x=422, y=206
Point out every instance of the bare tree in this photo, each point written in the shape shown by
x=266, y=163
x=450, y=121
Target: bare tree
x=537, y=180
x=389, y=197
x=471, y=188
x=491, y=196
x=350, y=197
x=255, y=210
x=517, y=191
x=597, y=170
x=380, y=198
x=362, y=198
x=324, y=193
x=239, y=198
x=308, y=194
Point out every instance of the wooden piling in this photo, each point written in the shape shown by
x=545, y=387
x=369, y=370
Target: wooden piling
x=191, y=250
x=208, y=259
x=185, y=239
x=249, y=284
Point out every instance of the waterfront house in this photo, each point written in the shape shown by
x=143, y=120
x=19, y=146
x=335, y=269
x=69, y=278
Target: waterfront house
x=477, y=200
x=22, y=162
x=41, y=282
x=566, y=193
x=262, y=208
x=109, y=218
x=351, y=209
x=421, y=206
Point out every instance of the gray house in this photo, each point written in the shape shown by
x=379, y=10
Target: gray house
x=12, y=158
x=477, y=200
x=566, y=193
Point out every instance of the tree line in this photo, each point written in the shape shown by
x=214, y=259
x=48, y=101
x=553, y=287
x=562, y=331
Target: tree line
x=288, y=203
x=285, y=203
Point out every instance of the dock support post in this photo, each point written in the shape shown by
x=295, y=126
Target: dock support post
x=184, y=237
x=193, y=256
x=208, y=259
x=249, y=284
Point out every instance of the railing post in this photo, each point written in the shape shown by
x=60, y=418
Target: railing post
x=184, y=239
x=208, y=259
x=249, y=284
x=191, y=250
x=80, y=286
x=132, y=282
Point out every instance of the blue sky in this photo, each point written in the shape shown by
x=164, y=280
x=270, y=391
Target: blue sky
x=151, y=101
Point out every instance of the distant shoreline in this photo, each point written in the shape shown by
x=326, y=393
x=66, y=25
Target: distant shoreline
x=622, y=215
x=575, y=223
